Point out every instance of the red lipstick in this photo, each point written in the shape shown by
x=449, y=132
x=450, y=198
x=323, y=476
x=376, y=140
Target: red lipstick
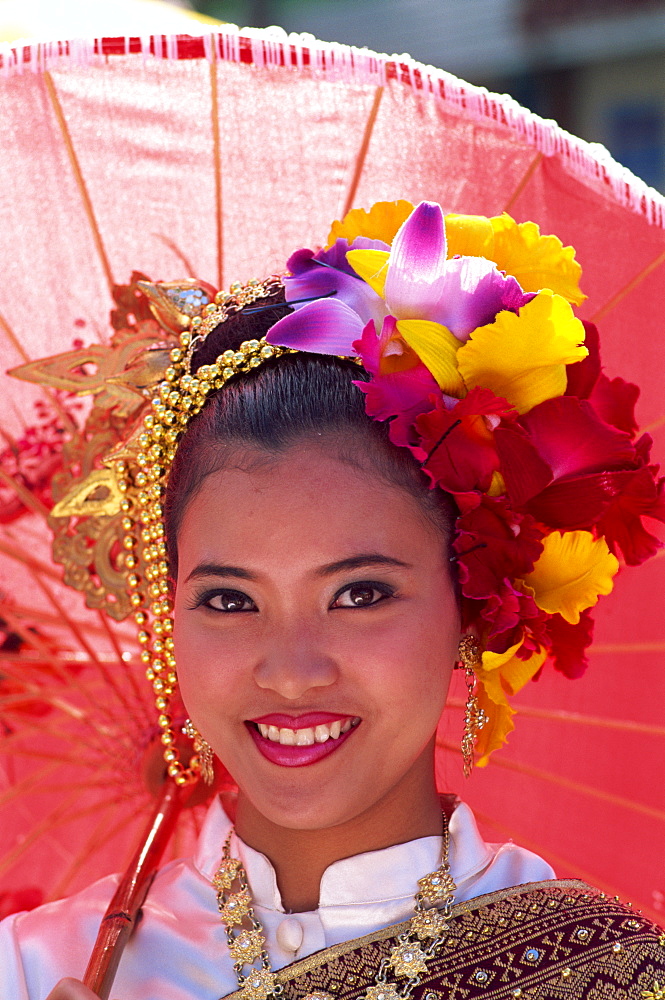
x=306, y=721
x=298, y=756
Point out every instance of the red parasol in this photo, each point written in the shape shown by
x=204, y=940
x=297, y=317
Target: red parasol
x=216, y=156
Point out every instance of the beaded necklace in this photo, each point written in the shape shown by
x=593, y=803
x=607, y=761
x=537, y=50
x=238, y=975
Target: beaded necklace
x=406, y=963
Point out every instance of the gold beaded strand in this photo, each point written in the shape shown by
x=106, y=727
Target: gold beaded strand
x=179, y=397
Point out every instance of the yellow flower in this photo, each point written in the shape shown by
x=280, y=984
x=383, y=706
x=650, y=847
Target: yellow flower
x=496, y=730
x=437, y=348
x=500, y=676
x=518, y=249
x=470, y=236
x=523, y=358
x=372, y=267
x=573, y=570
x=380, y=223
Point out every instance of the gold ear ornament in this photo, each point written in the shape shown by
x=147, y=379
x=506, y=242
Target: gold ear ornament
x=204, y=751
x=470, y=658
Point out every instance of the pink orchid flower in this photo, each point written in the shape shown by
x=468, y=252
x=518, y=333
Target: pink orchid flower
x=419, y=282
x=413, y=281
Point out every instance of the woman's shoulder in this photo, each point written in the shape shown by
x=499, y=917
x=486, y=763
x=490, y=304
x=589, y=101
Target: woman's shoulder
x=57, y=936
x=564, y=933
x=40, y=946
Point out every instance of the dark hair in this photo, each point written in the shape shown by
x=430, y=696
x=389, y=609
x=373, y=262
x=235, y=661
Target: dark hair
x=286, y=400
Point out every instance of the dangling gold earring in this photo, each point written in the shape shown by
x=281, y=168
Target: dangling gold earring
x=471, y=655
x=203, y=750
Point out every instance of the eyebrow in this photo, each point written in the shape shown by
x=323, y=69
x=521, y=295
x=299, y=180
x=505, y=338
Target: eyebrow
x=357, y=562
x=217, y=569
x=353, y=562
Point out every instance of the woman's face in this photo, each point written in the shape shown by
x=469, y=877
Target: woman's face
x=316, y=627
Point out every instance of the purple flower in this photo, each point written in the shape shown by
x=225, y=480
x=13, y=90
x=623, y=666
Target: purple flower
x=329, y=274
x=419, y=282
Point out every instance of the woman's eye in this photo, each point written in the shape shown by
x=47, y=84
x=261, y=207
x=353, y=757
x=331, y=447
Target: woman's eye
x=362, y=595
x=228, y=600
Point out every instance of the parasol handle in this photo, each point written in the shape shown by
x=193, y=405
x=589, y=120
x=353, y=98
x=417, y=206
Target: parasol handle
x=120, y=917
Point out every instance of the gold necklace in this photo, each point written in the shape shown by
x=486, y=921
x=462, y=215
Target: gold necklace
x=433, y=904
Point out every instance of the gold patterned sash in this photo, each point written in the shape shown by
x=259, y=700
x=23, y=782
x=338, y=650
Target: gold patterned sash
x=555, y=940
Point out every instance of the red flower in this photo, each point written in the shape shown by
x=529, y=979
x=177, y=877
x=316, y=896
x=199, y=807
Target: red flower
x=559, y=439
x=506, y=614
x=621, y=524
x=583, y=375
x=458, y=442
x=493, y=543
x=401, y=387
x=572, y=470
x=568, y=643
x=613, y=400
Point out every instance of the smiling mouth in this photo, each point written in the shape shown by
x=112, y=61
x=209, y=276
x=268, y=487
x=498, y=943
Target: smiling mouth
x=298, y=746
x=309, y=736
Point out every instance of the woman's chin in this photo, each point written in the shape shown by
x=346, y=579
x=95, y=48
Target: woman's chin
x=295, y=804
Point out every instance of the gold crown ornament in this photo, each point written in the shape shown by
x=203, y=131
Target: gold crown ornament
x=108, y=523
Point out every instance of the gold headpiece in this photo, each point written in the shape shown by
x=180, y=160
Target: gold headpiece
x=109, y=527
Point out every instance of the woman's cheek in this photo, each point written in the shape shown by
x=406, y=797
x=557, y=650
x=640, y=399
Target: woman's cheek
x=201, y=657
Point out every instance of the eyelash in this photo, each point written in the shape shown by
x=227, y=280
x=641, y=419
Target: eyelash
x=203, y=599
x=383, y=588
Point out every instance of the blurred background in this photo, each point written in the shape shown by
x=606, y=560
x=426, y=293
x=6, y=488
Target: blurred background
x=596, y=66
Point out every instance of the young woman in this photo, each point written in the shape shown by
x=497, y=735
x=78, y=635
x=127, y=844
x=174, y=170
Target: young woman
x=319, y=542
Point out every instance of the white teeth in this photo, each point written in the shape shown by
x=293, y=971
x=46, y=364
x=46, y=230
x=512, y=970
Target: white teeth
x=307, y=737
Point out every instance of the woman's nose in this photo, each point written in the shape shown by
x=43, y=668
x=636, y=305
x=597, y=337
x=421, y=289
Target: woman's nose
x=294, y=665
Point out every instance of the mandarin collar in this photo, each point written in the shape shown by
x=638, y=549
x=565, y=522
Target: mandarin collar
x=375, y=876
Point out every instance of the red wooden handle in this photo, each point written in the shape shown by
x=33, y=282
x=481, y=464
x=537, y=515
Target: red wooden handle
x=120, y=918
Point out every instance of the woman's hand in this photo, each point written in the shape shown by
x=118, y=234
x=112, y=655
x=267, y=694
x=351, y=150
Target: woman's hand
x=71, y=989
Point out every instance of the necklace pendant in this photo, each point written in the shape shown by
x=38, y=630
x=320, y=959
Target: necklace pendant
x=258, y=985
x=408, y=960
x=428, y=924
x=247, y=946
x=236, y=908
x=435, y=887
x=226, y=874
x=382, y=991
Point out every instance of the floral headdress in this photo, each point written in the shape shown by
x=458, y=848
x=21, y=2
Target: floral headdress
x=477, y=361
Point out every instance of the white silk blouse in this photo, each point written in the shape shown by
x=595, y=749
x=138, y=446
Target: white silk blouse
x=179, y=949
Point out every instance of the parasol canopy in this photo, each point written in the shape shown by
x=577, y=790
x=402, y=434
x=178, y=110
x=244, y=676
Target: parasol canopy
x=216, y=156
